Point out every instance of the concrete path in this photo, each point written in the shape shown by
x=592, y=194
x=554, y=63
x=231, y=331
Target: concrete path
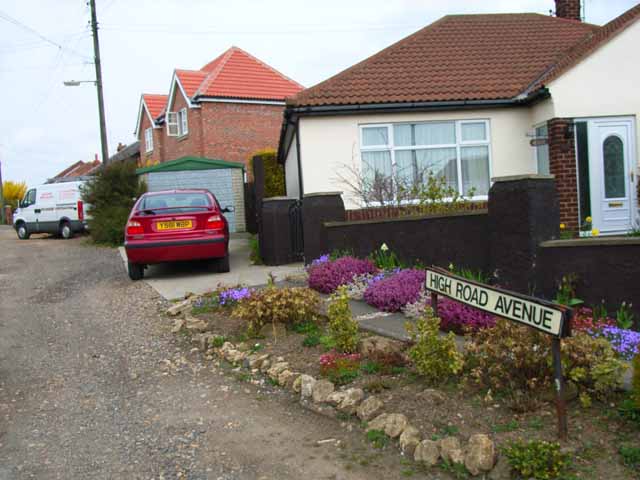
x=173, y=280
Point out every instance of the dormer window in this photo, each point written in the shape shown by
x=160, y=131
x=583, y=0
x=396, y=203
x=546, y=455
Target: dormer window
x=148, y=140
x=177, y=125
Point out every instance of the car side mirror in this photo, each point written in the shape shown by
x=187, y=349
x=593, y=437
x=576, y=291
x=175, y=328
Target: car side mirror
x=228, y=209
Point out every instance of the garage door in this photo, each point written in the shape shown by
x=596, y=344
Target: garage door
x=218, y=181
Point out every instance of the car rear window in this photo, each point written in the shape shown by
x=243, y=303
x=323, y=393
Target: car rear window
x=174, y=203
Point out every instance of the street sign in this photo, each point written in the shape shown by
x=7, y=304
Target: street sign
x=542, y=315
x=533, y=312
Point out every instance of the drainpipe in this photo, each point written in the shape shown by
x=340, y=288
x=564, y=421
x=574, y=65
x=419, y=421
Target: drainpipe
x=300, y=186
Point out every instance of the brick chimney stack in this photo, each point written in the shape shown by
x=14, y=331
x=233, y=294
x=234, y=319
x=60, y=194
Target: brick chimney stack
x=569, y=9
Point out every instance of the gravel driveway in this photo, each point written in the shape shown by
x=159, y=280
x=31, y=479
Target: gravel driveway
x=94, y=386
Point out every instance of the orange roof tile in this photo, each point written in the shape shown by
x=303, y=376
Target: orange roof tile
x=191, y=80
x=459, y=57
x=155, y=104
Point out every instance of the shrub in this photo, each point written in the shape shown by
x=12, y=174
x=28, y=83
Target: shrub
x=516, y=360
x=110, y=195
x=342, y=327
x=435, y=357
x=274, y=183
x=340, y=368
x=327, y=276
x=392, y=293
x=277, y=305
x=454, y=316
x=589, y=320
x=254, y=253
x=635, y=382
x=537, y=459
x=13, y=192
x=625, y=342
x=388, y=363
x=630, y=456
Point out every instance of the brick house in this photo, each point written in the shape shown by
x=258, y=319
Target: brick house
x=212, y=121
x=227, y=110
x=479, y=97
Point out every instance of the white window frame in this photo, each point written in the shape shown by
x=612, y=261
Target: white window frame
x=458, y=145
x=183, y=125
x=148, y=140
x=172, y=124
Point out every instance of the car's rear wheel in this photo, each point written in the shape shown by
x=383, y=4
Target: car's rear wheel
x=136, y=271
x=65, y=230
x=22, y=231
x=221, y=265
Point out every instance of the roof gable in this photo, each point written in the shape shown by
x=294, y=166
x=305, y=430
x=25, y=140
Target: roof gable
x=459, y=57
x=153, y=106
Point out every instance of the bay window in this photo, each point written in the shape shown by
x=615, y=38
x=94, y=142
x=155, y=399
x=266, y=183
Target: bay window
x=402, y=155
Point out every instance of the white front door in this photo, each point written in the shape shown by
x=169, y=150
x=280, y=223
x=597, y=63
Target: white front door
x=611, y=166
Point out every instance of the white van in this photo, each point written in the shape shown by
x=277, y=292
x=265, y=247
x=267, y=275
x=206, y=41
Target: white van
x=55, y=208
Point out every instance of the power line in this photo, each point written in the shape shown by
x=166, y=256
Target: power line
x=6, y=17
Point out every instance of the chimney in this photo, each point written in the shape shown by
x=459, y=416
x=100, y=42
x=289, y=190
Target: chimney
x=569, y=9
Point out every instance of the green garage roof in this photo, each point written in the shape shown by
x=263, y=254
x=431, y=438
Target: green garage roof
x=189, y=163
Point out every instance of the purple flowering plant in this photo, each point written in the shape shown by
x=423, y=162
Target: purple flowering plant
x=393, y=292
x=624, y=341
x=233, y=295
x=327, y=275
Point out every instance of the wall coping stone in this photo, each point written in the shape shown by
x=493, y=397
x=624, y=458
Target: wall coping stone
x=613, y=241
x=408, y=218
x=321, y=194
x=529, y=176
x=278, y=199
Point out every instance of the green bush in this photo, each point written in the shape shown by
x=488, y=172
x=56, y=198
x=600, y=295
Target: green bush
x=342, y=327
x=377, y=438
x=277, y=305
x=635, y=392
x=435, y=356
x=254, y=254
x=516, y=360
x=630, y=456
x=274, y=182
x=109, y=197
x=537, y=459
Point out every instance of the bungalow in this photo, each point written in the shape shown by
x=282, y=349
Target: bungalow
x=474, y=97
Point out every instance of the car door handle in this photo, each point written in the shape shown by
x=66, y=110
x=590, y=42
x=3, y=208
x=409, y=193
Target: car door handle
x=37, y=210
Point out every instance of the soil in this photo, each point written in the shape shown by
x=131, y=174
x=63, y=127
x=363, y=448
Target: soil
x=595, y=433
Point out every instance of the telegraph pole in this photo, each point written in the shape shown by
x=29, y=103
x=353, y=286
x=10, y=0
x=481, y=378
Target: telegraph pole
x=96, y=51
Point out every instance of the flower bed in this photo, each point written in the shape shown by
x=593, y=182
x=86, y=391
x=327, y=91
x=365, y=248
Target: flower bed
x=392, y=293
x=326, y=276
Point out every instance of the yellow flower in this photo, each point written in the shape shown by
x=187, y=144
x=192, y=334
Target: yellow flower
x=595, y=232
x=562, y=226
x=588, y=219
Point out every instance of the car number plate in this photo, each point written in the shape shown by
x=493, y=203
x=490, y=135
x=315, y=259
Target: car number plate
x=174, y=225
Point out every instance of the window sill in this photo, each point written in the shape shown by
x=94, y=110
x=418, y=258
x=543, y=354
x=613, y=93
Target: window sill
x=182, y=137
x=148, y=153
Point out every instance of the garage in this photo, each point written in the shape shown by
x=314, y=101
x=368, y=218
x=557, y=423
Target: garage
x=224, y=179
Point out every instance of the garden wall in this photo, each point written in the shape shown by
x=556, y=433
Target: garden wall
x=460, y=238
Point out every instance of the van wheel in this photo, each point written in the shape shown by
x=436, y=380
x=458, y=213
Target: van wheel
x=65, y=231
x=136, y=271
x=23, y=233
x=221, y=265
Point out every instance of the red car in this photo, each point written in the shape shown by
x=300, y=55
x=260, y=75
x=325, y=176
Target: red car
x=175, y=225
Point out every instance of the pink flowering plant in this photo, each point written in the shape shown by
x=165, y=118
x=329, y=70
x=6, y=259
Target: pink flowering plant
x=327, y=275
x=393, y=292
x=340, y=368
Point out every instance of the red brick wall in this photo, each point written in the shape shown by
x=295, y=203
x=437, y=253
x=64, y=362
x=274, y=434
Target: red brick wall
x=235, y=131
x=380, y=213
x=562, y=164
x=568, y=9
x=157, y=154
x=189, y=144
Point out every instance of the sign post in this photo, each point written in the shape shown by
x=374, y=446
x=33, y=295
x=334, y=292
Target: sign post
x=542, y=315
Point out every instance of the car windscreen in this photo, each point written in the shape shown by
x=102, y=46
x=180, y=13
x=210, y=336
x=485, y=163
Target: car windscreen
x=174, y=203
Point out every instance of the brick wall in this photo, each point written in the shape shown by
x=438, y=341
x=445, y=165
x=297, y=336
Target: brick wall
x=568, y=9
x=157, y=154
x=562, y=164
x=189, y=144
x=373, y=213
x=235, y=131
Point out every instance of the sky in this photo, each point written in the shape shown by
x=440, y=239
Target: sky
x=48, y=126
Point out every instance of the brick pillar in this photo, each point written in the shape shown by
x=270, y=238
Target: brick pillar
x=562, y=165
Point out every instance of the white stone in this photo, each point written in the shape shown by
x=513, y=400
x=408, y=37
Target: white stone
x=427, y=452
x=409, y=440
x=307, y=383
x=370, y=408
x=321, y=391
x=480, y=454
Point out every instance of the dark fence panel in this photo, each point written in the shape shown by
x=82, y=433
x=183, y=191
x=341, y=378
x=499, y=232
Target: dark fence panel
x=606, y=268
x=316, y=210
x=251, y=210
x=276, y=231
x=461, y=238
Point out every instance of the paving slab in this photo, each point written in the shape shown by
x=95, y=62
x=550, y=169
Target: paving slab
x=174, y=280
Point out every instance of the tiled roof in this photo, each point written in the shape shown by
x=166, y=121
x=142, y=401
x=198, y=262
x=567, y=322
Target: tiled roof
x=592, y=42
x=155, y=104
x=459, y=57
x=237, y=74
x=79, y=169
x=191, y=80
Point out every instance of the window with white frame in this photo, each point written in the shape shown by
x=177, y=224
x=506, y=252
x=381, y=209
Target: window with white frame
x=542, y=149
x=148, y=140
x=404, y=153
x=177, y=125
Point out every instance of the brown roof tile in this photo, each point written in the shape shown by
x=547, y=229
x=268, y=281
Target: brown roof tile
x=459, y=57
